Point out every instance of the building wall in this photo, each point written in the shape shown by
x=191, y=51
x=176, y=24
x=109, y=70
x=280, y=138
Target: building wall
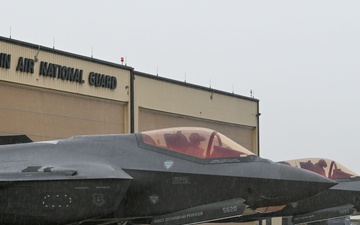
x=44, y=114
x=50, y=94
x=30, y=75
x=162, y=103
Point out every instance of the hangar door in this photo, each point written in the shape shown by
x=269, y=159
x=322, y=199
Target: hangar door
x=152, y=119
x=45, y=115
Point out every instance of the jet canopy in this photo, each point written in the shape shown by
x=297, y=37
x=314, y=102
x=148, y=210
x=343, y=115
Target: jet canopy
x=325, y=167
x=196, y=142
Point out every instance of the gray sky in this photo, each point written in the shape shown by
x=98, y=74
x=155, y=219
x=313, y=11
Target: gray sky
x=301, y=58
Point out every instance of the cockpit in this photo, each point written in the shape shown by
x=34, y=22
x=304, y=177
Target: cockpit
x=325, y=167
x=197, y=142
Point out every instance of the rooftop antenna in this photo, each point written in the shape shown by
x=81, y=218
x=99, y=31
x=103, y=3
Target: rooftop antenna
x=36, y=56
x=209, y=83
x=92, y=51
x=10, y=32
x=125, y=60
x=233, y=89
x=185, y=77
x=53, y=43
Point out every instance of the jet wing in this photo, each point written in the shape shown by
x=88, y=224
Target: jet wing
x=62, y=193
x=80, y=171
x=14, y=139
x=203, y=213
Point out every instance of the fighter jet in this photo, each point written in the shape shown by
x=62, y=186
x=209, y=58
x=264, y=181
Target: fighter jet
x=167, y=176
x=341, y=200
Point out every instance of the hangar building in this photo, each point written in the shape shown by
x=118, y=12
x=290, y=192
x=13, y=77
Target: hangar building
x=50, y=94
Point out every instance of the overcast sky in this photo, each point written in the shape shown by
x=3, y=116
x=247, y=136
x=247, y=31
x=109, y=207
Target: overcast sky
x=300, y=58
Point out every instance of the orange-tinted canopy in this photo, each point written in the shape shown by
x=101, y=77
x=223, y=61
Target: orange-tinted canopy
x=197, y=142
x=326, y=167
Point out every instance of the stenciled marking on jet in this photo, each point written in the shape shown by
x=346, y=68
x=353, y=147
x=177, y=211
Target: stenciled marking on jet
x=103, y=187
x=98, y=199
x=219, y=161
x=168, y=164
x=304, y=217
x=344, y=211
x=294, y=204
x=179, y=217
x=154, y=199
x=81, y=188
x=230, y=209
x=56, y=201
x=181, y=180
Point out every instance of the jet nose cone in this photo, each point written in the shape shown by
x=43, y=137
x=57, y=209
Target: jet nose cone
x=291, y=184
x=304, y=183
x=281, y=184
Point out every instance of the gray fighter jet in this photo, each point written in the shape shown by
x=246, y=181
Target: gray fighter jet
x=339, y=201
x=168, y=176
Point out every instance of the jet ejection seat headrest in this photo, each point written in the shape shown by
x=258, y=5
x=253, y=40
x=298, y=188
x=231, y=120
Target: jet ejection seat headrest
x=196, y=137
x=322, y=163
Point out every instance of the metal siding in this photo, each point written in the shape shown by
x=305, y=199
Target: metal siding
x=205, y=104
x=44, y=115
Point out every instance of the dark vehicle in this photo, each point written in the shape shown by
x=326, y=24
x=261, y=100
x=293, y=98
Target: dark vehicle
x=340, y=201
x=168, y=176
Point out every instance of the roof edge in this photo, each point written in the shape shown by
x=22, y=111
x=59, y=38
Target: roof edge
x=195, y=86
x=63, y=53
